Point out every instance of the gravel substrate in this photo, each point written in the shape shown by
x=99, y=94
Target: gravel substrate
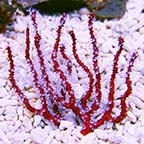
x=19, y=126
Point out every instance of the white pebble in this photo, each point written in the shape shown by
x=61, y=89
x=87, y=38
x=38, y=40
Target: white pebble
x=4, y=138
x=83, y=36
x=10, y=113
x=49, y=138
x=78, y=90
x=37, y=120
x=139, y=103
x=89, y=138
x=65, y=125
x=101, y=133
x=8, y=102
x=131, y=116
x=39, y=135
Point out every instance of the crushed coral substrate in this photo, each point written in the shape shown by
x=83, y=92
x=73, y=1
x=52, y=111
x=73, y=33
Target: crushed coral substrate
x=20, y=126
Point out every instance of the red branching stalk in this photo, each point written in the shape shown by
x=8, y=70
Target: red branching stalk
x=52, y=102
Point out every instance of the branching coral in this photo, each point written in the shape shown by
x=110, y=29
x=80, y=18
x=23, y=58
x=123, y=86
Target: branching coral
x=54, y=103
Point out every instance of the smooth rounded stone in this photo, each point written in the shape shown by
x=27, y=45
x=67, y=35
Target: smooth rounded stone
x=129, y=139
x=29, y=141
x=75, y=24
x=17, y=124
x=131, y=117
x=76, y=134
x=4, y=138
x=36, y=103
x=141, y=119
x=54, y=141
x=139, y=41
x=78, y=90
x=141, y=31
x=48, y=128
x=26, y=113
x=107, y=45
x=136, y=77
x=4, y=79
x=83, y=36
x=138, y=91
x=138, y=102
x=20, y=22
x=20, y=136
x=8, y=102
x=37, y=120
x=82, y=75
x=27, y=123
x=137, y=112
x=105, y=63
x=139, y=131
x=50, y=137
x=39, y=135
x=69, y=138
x=120, y=84
x=84, y=11
x=59, y=136
x=130, y=128
x=89, y=138
x=101, y=134
x=142, y=140
x=20, y=112
x=66, y=125
x=10, y=113
x=114, y=136
x=74, y=76
x=2, y=109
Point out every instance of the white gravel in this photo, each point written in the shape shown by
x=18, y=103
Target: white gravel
x=19, y=126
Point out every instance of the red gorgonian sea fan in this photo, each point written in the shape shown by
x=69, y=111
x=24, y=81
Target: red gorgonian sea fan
x=54, y=104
